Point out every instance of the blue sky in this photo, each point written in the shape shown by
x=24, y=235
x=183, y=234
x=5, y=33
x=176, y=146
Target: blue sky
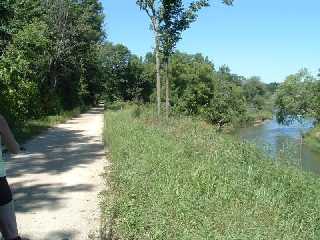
x=266, y=38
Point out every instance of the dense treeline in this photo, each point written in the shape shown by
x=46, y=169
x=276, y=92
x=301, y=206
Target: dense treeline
x=197, y=87
x=54, y=57
x=127, y=77
x=48, y=56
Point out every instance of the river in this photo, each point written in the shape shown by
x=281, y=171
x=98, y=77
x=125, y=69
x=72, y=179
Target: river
x=285, y=141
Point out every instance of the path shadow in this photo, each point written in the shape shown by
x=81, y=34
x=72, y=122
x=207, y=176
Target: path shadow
x=96, y=110
x=55, y=152
x=59, y=235
x=58, y=151
x=29, y=197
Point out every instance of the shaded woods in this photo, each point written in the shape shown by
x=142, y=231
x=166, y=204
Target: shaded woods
x=48, y=60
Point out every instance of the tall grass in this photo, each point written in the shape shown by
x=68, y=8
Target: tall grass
x=183, y=180
x=312, y=138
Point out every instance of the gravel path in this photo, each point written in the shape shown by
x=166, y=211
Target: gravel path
x=57, y=181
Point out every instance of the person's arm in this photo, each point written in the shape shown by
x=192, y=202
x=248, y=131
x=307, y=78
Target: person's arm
x=8, y=137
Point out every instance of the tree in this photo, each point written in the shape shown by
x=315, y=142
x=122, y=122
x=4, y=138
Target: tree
x=255, y=91
x=21, y=72
x=153, y=10
x=297, y=97
x=169, y=18
x=197, y=89
x=123, y=74
x=76, y=30
x=48, y=56
x=6, y=16
x=176, y=19
x=272, y=87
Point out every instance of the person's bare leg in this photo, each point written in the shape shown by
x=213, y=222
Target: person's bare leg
x=8, y=223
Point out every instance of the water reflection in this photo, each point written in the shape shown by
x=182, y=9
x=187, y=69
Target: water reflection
x=285, y=141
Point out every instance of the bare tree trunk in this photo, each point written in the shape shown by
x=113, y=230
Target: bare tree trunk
x=167, y=89
x=157, y=42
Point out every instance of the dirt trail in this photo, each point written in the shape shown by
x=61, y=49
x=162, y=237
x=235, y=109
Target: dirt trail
x=57, y=181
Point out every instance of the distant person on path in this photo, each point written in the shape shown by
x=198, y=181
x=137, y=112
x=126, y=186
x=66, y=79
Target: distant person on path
x=8, y=224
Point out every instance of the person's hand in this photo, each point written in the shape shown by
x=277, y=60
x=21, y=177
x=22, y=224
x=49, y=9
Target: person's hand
x=5, y=151
x=7, y=137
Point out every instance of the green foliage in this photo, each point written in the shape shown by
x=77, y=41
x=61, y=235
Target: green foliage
x=220, y=97
x=272, y=87
x=255, y=92
x=169, y=18
x=174, y=19
x=315, y=100
x=6, y=15
x=125, y=76
x=227, y=106
x=49, y=61
x=197, y=89
x=298, y=97
x=183, y=180
x=21, y=70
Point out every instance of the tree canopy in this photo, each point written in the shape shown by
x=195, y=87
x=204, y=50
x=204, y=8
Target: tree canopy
x=169, y=18
x=298, y=97
x=48, y=56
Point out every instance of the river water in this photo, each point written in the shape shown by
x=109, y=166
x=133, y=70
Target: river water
x=284, y=141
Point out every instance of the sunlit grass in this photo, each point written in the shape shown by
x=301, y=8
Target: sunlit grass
x=180, y=179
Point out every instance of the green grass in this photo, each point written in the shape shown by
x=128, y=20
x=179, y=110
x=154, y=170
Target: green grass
x=182, y=180
x=34, y=127
x=312, y=138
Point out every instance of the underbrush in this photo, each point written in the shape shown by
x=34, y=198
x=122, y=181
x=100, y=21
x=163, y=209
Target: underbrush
x=181, y=179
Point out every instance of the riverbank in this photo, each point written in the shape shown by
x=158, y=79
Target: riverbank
x=254, y=119
x=312, y=138
x=260, y=117
x=183, y=180
x=284, y=142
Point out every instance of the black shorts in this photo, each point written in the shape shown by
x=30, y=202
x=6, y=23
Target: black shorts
x=5, y=192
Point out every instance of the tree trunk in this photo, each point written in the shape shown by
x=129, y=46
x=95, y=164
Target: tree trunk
x=157, y=42
x=167, y=89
